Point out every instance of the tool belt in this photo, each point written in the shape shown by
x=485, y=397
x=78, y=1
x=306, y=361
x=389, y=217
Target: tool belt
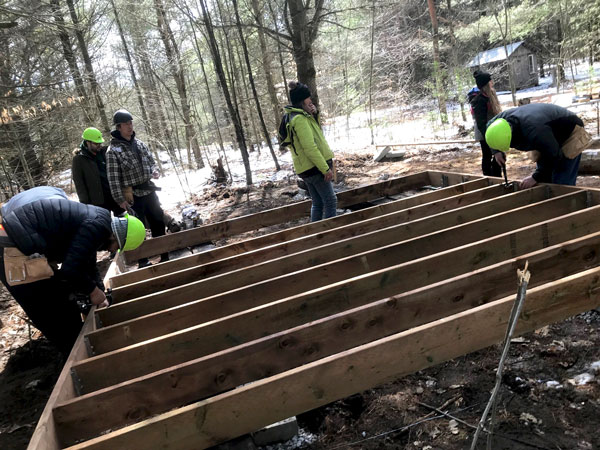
x=577, y=142
x=145, y=186
x=22, y=269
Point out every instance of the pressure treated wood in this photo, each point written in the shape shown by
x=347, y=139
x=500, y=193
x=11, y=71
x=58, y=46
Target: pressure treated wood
x=295, y=232
x=295, y=262
x=293, y=321
x=209, y=422
x=293, y=265
x=274, y=216
x=89, y=415
x=141, y=359
x=290, y=246
x=173, y=319
x=45, y=436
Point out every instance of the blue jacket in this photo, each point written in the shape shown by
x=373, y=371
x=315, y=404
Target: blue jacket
x=43, y=220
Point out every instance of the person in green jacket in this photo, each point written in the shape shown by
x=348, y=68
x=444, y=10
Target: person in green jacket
x=311, y=155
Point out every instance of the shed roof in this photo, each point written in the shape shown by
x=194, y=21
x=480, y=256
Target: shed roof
x=493, y=55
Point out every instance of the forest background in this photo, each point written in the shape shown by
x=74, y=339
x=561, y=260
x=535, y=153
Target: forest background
x=206, y=79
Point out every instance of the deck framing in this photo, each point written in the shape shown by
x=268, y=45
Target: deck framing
x=193, y=349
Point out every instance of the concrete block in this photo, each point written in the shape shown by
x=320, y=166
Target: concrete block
x=276, y=432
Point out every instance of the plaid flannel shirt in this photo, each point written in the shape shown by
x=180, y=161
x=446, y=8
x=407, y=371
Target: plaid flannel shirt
x=123, y=167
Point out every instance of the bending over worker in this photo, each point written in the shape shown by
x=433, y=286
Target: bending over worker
x=311, y=155
x=40, y=228
x=554, y=134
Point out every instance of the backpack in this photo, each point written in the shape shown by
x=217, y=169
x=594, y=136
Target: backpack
x=286, y=131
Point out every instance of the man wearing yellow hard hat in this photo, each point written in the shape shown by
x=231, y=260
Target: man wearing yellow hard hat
x=41, y=228
x=89, y=172
x=554, y=134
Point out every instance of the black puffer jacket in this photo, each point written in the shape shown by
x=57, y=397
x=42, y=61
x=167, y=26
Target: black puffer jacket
x=542, y=127
x=42, y=220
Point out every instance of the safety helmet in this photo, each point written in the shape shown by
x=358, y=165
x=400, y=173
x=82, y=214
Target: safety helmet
x=129, y=231
x=92, y=134
x=498, y=135
x=122, y=116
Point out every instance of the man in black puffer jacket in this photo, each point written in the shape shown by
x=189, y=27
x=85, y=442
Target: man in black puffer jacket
x=555, y=134
x=44, y=221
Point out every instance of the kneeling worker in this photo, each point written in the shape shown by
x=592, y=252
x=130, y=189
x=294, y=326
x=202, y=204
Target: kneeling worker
x=554, y=134
x=42, y=225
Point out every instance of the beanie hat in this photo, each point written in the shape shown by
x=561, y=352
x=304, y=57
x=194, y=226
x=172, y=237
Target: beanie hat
x=129, y=232
x=481, y=78
x=298, y=92
x=119, y=229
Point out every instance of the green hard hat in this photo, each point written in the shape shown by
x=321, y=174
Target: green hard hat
x=129, y=231
x=498, y=135
x=92, y=134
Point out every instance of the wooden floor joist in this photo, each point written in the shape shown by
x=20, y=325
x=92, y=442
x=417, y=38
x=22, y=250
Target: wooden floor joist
x=194, y=349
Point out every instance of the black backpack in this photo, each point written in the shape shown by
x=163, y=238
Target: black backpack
x=286, y=131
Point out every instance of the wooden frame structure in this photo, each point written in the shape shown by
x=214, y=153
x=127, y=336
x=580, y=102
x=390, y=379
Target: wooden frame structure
x=202, y=349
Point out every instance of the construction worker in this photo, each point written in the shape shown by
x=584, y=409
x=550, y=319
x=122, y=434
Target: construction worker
x=553, y=134
x=311, y=155
x=89, y=172
x=41, y=228
x=130, y=167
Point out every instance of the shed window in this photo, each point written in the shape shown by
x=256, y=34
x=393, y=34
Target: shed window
x=531, y=63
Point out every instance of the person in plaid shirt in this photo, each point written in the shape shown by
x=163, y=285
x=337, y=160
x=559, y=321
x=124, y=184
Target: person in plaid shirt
x=130, y=168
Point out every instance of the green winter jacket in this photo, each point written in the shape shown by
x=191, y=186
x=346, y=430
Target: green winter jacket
x=310, y=149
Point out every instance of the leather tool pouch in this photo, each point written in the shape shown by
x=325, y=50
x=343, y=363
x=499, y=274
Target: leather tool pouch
x=23, y=269
x=577, y=142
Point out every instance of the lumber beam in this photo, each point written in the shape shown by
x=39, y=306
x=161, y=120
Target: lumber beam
x=137, y=329
x=87, y=416
x=242, y=410
x=337, y=234
x=295, y=232
x=286, y=265
x=269, y=217
x=45, y=436
x=140, y=359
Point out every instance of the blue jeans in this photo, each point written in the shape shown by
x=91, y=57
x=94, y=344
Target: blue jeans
x=323, y=197
x=565, y=171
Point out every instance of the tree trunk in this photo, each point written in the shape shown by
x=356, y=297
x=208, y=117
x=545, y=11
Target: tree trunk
x=303, y=34
x=136, y=86
x=210, y=100
x=235, y=118
x=253, y=86
x=176, y=66
x=280, y=55
x=152, y=95
x=266, y=63
x=89, y=69
x=70, y=57
x=371, y=59
x=437, y=68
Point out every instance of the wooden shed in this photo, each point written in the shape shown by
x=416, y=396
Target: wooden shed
x=494, y=61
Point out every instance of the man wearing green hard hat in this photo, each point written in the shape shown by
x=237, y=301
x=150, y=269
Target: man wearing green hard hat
x=555, y=136
x=89, y=172
x=41, y=228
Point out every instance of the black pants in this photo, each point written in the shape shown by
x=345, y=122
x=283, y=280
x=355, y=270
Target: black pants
x=47, y=304
x=489, y=166
x=148, y=210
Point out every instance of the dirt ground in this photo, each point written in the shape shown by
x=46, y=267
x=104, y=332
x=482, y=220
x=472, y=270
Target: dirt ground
x=545, y=403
